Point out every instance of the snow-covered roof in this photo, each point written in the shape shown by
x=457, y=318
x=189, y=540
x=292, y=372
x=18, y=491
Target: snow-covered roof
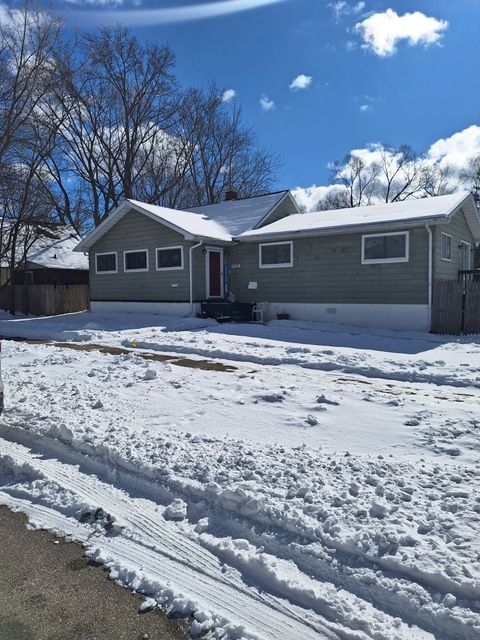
x=58, y=253
x=53, y=250
x=218, y=222
x=409, y=212
x=239, y=216
x=193, y=223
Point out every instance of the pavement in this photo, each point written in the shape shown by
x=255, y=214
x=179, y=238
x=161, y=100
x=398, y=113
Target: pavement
x=50, y=591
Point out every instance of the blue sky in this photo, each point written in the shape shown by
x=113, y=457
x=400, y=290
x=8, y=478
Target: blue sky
x=417, y=93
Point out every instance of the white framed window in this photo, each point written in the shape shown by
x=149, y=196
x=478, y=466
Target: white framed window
x=106, y=262
x=446, y=247
x=169, y=258
x=135, y=260
x=381, y=248
x=272, y=255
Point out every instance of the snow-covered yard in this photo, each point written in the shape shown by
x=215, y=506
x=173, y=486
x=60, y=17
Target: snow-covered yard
x=324, y=488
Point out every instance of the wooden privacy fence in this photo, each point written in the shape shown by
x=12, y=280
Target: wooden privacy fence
x=455, y=307
x=47, y=299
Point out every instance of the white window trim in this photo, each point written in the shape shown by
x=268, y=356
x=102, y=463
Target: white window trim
x=207, y=271
x=447, y=235
x=406, y=258
x=106, y=253
x=469, y=253
x=279, y=265
x=177, y=246
x=125, y=253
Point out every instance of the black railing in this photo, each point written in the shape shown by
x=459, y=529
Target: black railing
x=471, y=275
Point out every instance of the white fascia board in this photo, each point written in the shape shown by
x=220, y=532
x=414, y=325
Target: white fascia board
x=294, y=202
x=95, y=235
x=214, y=241
x=335, y=231
x=165, y=223
x=117, y=215
x=472, y=215
x=286, y=195
x=122, y=210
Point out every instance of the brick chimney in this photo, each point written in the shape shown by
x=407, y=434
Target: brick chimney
x=230, y=194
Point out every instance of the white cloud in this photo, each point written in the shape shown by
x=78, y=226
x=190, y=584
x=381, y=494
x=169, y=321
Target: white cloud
x=149, y=17
x=341, y=8
x=457, y=150
x=365, y=107
x=229, y=95
x=301, y=82
x=266, y=104
x=381, y=32
x=98, y=3
x=309, y=197
x=454, y=152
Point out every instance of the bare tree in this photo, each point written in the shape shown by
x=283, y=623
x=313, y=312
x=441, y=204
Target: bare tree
x=117, y=124
x=226, y=152
x=385, y=174
x=26, y=209
x=358, y=179
x=29, y=41
x=116, y=114
x=470, y=176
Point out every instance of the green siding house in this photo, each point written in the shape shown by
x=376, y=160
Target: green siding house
x=372, y=266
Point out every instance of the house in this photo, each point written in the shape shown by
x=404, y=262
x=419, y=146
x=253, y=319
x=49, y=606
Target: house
x=50, y=276
x=371, y=266
x=145, y=257
x=49, y=259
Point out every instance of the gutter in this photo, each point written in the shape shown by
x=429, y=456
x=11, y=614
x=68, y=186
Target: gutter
x=335, y=231
x=430, y=272
x=190, y=266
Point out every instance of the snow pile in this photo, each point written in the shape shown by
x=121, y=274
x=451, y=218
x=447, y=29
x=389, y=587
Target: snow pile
x=389, y=355
x=269, y=502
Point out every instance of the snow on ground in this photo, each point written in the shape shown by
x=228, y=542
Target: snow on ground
x=402, y=356
x=334, y=496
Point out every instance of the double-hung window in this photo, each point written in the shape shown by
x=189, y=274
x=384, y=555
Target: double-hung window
x=169, y=258
x=446, y=248
x=379, y=248
x=276, y=254
x=106, y=262
x=135, y=260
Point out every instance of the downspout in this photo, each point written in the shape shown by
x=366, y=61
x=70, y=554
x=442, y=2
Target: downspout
x=190, y=266
x=430, y=274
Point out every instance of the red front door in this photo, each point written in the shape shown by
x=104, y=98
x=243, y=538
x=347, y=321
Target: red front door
x=214, y=274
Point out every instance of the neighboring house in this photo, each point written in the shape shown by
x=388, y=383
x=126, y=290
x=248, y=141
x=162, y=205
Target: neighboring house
x=370, y=266
x=51, y=278
x=50, y=259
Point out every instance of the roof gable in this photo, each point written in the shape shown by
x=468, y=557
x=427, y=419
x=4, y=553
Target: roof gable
x=218, y=222
x=190, y=225
x=239, y=216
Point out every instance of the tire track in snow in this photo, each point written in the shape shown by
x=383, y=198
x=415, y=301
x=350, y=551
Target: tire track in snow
x=165, y=553
x=386, y=603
